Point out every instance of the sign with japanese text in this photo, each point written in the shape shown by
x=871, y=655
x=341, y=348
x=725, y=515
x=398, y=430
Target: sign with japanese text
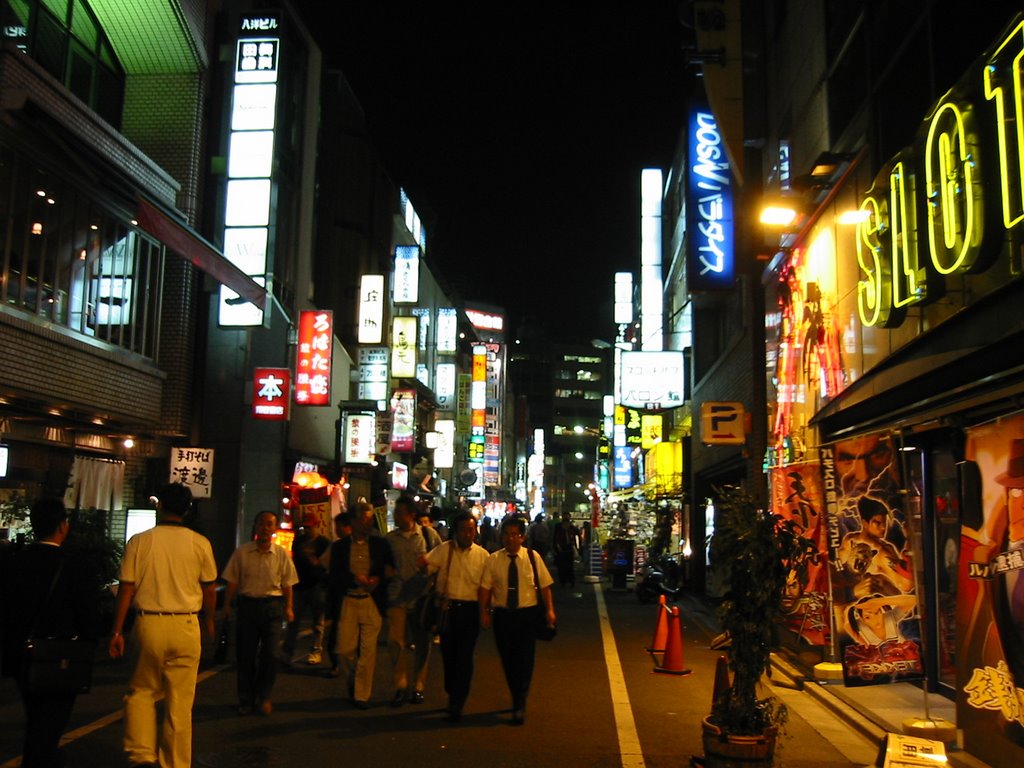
x=403, y=347
x=407, y=274
x=371, y=309
x=447, y=330
x=270, y=393
x=709, y=205
x=403, y=426
x=359, y=438
x=652, y=379
x=445, y=389
x=444, y=453
x=193, y=468
x=313, y=360
x=399, y=476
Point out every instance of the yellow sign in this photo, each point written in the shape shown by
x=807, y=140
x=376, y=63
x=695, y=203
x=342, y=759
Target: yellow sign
x=650, y=430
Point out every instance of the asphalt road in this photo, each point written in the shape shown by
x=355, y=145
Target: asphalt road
x=591, y=704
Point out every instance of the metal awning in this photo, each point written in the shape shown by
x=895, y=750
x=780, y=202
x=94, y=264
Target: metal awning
x=179, y=237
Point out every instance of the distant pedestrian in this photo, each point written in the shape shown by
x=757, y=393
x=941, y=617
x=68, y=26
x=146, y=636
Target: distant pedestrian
x=359, y=570
x=489, y=535
x=567, y=537
x=44, y=593
x=459, y=565
x=332, y=611
x=168, y=574
x=309, y=596
x=509, y=588
x=262, y=576
x=538, y=534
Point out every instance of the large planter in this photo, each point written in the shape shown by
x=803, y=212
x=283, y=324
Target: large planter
x=723, y=750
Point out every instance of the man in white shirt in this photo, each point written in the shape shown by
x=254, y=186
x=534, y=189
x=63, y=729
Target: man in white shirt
x=262, y=574
x=459, y=564
x=510, y=585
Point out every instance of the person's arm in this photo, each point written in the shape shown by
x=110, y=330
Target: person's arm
x=549, y=603
x=484, y=596
x=210, y=608
x=289, y=612
x=229, y=598
x=125, y=593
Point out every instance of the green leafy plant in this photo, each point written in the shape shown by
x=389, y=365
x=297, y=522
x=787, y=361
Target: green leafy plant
x=760, y=550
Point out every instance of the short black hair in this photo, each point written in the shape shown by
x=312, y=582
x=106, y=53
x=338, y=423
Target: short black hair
x=461, y=518
x=514, y=521
x=46, y=515
x=175, y=499
x=263, y=512
x=407, y=501
x=868, y=507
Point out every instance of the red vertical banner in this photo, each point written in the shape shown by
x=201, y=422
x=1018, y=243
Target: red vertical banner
x=270, y=393
x=796, y=494
x=313, y=360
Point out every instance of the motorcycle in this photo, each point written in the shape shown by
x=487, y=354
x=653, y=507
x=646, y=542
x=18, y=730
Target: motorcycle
x=659, y=576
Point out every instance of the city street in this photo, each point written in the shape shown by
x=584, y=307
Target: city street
x=591, y=704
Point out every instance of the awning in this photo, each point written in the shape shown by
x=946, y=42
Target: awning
x=187, y=243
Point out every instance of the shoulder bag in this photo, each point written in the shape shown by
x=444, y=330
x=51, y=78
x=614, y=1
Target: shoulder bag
x=57, y=665
x=542, y=630
x=432, y=608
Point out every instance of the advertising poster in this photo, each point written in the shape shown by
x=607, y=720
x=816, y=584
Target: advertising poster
x=797, y=495
x=874, y=600
x=990, y=597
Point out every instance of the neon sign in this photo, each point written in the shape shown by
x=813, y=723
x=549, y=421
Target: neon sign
x=926, y=216
x=709, y=205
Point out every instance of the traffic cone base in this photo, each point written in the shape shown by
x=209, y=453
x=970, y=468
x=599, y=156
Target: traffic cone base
x=660, y=628
x=672, y=661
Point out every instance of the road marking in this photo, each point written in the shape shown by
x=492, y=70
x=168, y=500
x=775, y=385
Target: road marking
x=625, y=726
x=106, y=720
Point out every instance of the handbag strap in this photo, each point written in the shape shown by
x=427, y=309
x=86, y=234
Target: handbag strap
x=448, y=567
x=536, y=579
x=49, y=594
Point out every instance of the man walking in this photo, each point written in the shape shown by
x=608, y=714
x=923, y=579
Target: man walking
x=262, y=575
x=168, y=574
x=510, y=586
x=309, y=595
x=359, y=569
x=459, y=564
x=44, y=593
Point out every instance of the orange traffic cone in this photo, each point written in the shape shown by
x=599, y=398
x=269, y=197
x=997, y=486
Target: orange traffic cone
x=720, y=691
x=660, y=629
x=672, y=662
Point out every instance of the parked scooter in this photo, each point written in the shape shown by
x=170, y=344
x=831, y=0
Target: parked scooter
x=660, y=576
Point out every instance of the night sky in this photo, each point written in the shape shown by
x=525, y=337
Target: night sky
x=519, y=131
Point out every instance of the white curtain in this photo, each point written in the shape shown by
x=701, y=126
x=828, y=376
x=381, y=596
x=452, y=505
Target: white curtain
x=95, y=483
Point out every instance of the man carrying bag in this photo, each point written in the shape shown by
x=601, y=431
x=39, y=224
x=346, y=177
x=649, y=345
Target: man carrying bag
x=47, y=599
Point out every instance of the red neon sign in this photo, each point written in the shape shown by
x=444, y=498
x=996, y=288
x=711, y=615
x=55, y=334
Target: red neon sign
x=313, y=361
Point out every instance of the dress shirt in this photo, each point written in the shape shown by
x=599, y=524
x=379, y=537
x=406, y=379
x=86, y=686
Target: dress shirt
x=466, y=569
x=495, y=578
x=261, y=573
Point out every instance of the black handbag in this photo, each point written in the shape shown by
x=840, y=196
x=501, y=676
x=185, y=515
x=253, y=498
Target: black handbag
x=56, y=664
x=432, y=608
x=541, y=629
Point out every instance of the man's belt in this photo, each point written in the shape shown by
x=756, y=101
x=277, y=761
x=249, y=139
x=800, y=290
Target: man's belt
x=357, y=595
x=166, y=613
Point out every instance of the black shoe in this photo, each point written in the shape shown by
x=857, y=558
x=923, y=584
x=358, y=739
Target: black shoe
x=518, y=716
x=243, y=710
x=399, y=698
x=453, y=716
x=360, y=704
x=416, y=697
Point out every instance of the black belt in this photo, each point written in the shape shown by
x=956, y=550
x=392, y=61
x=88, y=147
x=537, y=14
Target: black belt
x=357, y=595
x=167, y=613
x=261, y=599
x=459, y=603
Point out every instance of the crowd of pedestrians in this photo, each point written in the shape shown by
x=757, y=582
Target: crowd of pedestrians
x=347, y=590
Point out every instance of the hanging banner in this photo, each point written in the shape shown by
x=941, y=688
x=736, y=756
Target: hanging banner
x=990, y=594
x=873, y=596
x=313, y=358
x=403, y=426
x=796, y=495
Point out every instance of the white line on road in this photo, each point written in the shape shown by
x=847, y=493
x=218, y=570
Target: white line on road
x=629, y=741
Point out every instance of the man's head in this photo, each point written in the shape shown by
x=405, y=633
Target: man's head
x=405, y=513
x=265, y=526
x=465, y=529
x=49, y=519
x=362, y=519
x=174, y=500
x=343, y=525
x=424, y=518
x=512, y=532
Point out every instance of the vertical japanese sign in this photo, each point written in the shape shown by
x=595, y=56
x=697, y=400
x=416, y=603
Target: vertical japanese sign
x=373, y=373
x=447, y=330
x=444, y=453
x=313, y=361
x=874, y=600
x=193, y=468
x=371, y=309
x=796, y=495
x=270, y=393
x=710, y=262
x=407, y=274
x=359, y=438
x=403, y=426
x=403, y=347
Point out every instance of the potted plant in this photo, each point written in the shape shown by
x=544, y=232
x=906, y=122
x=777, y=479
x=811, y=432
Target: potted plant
x=760, y=550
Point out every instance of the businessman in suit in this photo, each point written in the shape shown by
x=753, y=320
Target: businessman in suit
x=28, y=606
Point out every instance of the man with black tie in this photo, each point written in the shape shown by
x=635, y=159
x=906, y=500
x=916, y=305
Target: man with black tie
x=509, y=586
x=30, y=607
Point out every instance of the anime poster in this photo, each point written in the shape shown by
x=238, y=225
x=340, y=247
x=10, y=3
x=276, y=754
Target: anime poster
x=990, y=597
x=874, y=600
x=796, y=495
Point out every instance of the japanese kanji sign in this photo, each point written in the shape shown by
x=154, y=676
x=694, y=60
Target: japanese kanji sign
x=270, y=393
x=313, y=360
x=193, y=468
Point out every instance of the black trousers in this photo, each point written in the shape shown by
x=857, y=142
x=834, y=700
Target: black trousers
x=458, y=644
x=517, y=643
x=46, y=717
x=259, y=635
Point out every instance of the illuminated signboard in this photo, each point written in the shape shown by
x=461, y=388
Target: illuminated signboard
x=359, y=438
x=250, y=162
x=403, y=347
x=313, y=359
x=623, y=298
x=399, y=476
x=407, y=274
x=193, y=468
x=651, y=379
x=447, y=330
x=371, y=309
x=486, y=321
x=423, y=315
x=650, y=430
x=710, y=262
x=652, y=294
x=941, y=208
x=270, y=393
x=445, y=390
x=403, y=420
x=5, y=457
x=622, y=470
x=444, y=453
x=373, y=373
